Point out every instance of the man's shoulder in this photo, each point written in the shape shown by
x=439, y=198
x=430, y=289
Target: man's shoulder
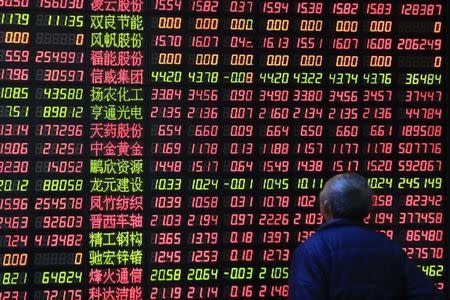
x=313, y=250
x=334, y=237
x=313, y=244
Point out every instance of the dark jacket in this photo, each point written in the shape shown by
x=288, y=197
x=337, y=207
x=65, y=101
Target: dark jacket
x=344, y=260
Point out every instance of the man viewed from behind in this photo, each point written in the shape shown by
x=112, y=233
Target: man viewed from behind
x=344, y=260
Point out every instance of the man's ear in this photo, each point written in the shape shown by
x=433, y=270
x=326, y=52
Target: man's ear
x=325, y=210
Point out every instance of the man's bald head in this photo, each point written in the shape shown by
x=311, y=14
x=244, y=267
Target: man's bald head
x=346, y=196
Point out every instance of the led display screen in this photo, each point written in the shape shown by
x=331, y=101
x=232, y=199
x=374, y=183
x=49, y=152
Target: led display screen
x=175, y=149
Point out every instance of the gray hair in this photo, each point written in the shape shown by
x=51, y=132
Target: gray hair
x=349, y=196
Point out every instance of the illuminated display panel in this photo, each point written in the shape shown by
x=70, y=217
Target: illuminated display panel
x=175, y=149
